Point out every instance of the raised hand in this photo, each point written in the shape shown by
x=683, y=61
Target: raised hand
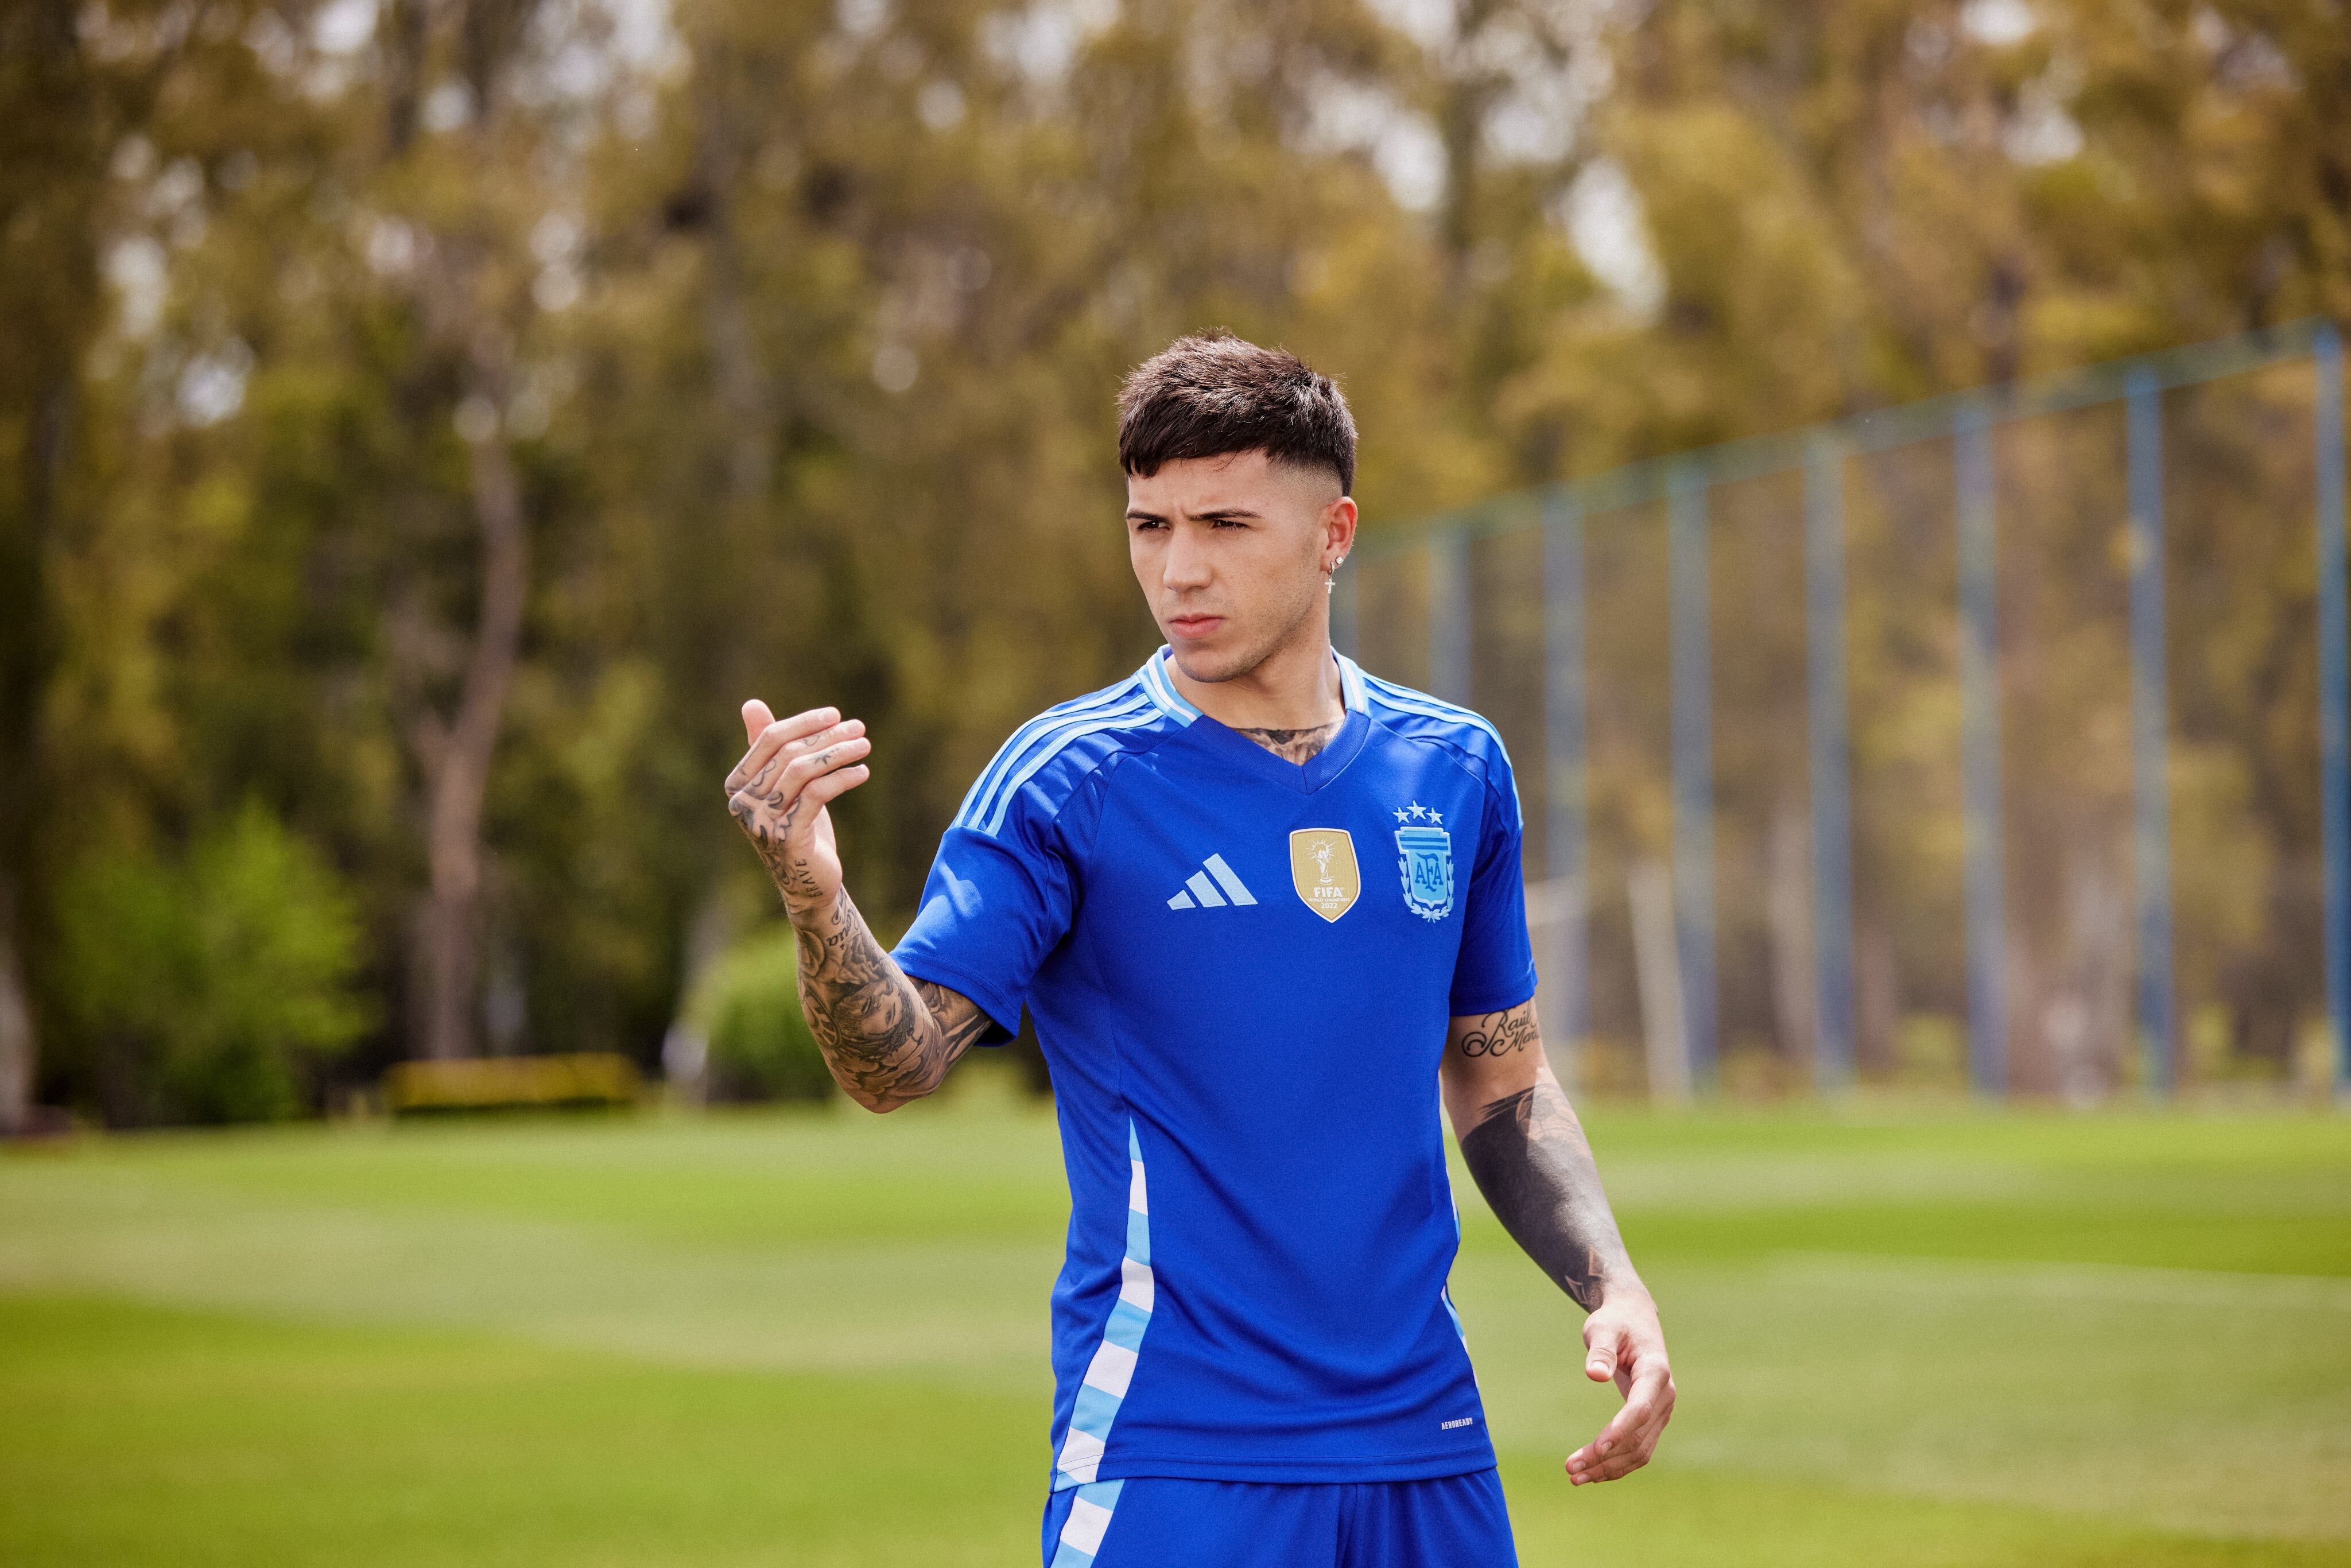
x=887, y=1039
x=778, y=791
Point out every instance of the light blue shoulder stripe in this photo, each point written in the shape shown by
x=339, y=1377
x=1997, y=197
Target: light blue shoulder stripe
x=1046, y=750
x=1405, y=700
x=1019, y=740
x=1008, y=754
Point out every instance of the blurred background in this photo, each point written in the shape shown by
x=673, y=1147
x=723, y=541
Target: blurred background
x=1880, y=464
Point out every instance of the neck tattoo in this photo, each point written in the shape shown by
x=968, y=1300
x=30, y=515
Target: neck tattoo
x=1295, y=745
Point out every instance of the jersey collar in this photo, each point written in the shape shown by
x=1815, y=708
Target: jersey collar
x=1242, y=752
x=1170, y=701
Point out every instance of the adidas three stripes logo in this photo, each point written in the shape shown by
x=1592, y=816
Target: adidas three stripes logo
x=1202, y=893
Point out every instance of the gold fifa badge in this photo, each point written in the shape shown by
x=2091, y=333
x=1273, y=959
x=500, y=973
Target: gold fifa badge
x=1323, y=870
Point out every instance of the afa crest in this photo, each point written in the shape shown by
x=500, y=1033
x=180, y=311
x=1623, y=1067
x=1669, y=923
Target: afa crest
x=1425, y=856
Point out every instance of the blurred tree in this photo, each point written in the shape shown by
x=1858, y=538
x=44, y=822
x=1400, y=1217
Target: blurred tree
x=209, y=990
x=431, y=422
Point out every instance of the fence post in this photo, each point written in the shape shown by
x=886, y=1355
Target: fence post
x=2150, y=734
x=1566, y=824
x=1980, y=749
x=1830, y=764
x=1693, y=737
x=1448, y=615
x=2334, y=700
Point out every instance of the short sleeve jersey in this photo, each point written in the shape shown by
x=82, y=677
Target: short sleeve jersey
x=1241, y=970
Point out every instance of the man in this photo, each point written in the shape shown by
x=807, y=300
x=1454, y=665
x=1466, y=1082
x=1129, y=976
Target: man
x=1255, y=900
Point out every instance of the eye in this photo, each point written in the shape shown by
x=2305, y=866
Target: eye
x=1144, y=524
x=1230, y=523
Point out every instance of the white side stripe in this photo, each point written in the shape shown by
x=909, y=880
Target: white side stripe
x=1089, y=1521
x=1136, y=1286
x=1112, y=1366
x=1112, y=1369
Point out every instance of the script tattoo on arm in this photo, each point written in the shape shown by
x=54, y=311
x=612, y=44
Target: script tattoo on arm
x=889, y=1037
x=1295, y=745
x=1528, y=1155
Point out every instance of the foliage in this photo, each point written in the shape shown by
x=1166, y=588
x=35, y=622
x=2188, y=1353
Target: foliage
x=789, y=329
x=208, y=988
x=748, y=1006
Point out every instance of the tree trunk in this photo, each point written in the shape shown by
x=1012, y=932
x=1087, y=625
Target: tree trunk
x=459, y=779
x=19, y=1046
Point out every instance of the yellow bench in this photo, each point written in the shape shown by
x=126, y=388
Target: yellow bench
x=512, y=1082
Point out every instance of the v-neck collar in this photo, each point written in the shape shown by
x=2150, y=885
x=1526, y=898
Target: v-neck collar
x=1355, y=729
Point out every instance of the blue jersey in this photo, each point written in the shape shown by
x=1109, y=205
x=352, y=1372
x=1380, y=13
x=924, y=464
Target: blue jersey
x=1242, y=969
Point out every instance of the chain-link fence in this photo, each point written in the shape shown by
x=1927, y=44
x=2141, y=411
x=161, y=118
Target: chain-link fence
x=1998, y=738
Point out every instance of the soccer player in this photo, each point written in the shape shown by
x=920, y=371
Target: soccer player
x=1265, y=911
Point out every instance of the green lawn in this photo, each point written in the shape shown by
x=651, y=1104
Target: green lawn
x=1904, y=1335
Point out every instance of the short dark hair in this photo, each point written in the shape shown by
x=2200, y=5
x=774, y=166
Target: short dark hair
x=1210, y=393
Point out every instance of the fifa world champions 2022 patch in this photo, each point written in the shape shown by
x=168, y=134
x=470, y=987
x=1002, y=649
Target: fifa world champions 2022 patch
x=1322, y=868
x=1424, y=857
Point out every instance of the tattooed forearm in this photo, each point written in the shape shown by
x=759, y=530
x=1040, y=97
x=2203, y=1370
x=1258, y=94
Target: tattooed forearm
x=1529, y=1157
x=1295, y=745
x=889, y=1038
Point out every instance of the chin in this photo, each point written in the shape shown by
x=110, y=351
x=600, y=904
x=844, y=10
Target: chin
x=1212, y=665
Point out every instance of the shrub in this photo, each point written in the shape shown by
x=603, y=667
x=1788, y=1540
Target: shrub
x=749, y=1008
x=209, y=985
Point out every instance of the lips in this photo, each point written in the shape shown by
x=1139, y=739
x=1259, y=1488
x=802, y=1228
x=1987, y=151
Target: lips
x=1195, y=625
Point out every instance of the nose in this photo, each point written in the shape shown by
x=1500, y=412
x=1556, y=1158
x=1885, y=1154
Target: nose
x=1185, y=566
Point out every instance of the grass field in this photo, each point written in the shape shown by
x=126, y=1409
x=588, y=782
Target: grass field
x=1904, y=1336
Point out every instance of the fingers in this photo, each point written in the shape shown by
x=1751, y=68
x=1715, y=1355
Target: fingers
x=838, y=782
x=1626, y=1444
x=757, y=716
x=768, y=781
x=773, y=737
x=787, y=784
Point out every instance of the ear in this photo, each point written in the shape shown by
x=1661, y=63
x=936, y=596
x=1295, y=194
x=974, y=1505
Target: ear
x=1337, y=532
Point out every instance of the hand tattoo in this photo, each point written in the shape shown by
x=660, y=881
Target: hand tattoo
x=768, y=819
x=888, y=1038
x=1295, y=745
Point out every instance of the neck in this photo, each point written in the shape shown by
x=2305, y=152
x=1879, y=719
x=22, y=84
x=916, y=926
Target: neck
x=1295, y=687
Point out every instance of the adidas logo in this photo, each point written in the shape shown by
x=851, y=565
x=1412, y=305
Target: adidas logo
x=1203, y=893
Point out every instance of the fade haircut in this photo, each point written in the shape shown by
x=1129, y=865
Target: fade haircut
x=1211, y=393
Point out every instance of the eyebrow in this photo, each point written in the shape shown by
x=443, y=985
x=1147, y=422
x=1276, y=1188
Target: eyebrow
x=1137, y=513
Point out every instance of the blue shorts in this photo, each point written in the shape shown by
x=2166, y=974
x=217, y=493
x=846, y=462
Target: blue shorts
x=1154, y=1521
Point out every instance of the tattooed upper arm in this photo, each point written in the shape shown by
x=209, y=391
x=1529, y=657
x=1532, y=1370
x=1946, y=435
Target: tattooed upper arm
x=963, y=1023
